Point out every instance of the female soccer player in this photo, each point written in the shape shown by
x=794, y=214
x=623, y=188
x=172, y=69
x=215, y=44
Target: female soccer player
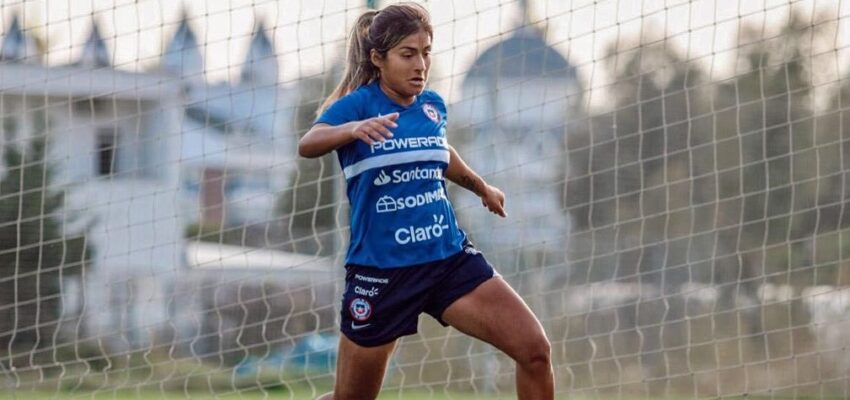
x=406, y=253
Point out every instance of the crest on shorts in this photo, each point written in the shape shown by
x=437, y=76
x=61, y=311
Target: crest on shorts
x=360, y=309
x=431, y=112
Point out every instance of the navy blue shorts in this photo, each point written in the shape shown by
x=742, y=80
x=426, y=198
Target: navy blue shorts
x=381, y=305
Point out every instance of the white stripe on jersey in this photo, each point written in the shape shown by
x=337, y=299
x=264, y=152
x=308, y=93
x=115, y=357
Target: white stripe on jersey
x=394, y=159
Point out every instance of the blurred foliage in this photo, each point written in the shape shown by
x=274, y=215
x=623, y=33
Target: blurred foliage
x=726, y=183
x=310, y=207
x=36, y=253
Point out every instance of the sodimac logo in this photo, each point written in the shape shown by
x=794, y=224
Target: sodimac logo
x=387, y=204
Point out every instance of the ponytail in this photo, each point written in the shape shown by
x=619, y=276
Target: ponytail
x=359, y=69
x=379, y=31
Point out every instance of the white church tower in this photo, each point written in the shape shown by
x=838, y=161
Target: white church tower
x=260, y=67
x=234, y=142
x=516, y=99
x=19, y=45
x=182, y=56
x=94, y=54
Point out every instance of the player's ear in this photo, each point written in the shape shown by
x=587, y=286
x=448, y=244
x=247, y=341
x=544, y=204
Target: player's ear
x=376, y=58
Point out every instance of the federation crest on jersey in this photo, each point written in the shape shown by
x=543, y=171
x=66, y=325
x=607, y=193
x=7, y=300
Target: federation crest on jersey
x=431, y=112
x=360, y=309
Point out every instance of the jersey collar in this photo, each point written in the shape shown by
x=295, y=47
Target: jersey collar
x=375, y=86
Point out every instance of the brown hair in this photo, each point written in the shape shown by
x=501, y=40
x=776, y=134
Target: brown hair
x=381, y=31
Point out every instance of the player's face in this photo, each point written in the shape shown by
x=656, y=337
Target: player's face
x=404, y=70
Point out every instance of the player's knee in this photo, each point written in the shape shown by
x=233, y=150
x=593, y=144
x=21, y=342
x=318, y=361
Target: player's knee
x=537, y=355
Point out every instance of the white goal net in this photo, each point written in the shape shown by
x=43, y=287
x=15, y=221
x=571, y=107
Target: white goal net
x=676, y=176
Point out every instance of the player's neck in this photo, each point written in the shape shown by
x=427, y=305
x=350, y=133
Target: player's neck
x=405, y=101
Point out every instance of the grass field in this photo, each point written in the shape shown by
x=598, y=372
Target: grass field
x=308, y=394
x=259, y=395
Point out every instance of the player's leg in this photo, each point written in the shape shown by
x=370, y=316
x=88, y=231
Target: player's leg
x=494, y=313
x=359, y=370
x=378, y=307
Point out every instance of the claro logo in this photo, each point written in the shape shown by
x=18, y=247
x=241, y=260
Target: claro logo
x=399, y=176
x=371, y=292
x=416, y=234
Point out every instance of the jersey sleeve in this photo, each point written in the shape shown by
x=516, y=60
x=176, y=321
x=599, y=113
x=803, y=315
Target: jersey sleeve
x=348, y=108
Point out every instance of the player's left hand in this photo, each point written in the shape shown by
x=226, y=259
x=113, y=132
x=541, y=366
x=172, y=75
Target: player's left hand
x=494, y=200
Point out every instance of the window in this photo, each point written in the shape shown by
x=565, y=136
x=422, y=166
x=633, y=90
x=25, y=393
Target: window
x=91, y=106
x=10, y=128
x=106, y=151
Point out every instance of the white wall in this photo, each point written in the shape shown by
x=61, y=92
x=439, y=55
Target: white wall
x=135, y=227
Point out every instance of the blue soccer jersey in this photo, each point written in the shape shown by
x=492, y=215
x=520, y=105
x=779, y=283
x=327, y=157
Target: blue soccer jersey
x=400, y=215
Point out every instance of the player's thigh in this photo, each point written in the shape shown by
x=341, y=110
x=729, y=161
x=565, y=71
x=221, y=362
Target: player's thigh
x=360, y=370
x=495, y=313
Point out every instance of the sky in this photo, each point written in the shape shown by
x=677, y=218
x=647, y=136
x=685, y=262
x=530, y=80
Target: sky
x=309, y=34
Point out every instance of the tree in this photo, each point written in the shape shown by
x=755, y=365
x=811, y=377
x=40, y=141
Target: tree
x=35, y=252
x=629, y=168
x=310, y=207
x=827, y=249
x=788, y=176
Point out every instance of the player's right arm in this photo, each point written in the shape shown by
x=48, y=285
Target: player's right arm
x=323, y=138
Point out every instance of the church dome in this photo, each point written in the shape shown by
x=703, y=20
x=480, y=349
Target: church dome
x=523, y=54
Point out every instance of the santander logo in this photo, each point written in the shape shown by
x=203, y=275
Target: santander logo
x=382, y=179
x=400, y=176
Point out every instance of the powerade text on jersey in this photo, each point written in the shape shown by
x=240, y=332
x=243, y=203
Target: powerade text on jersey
x=400, y=215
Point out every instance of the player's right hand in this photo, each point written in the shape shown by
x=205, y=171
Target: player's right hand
x=375, y=129
x=494, y=199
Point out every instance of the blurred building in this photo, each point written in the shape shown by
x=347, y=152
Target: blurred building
x=516, y=100
x=142, y=155
x=236, y=151
x=113, y=140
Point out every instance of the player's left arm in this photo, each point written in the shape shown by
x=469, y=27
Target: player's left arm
x=460, y=173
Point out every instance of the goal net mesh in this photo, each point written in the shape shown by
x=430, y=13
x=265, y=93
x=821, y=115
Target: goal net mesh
x=676, y=174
